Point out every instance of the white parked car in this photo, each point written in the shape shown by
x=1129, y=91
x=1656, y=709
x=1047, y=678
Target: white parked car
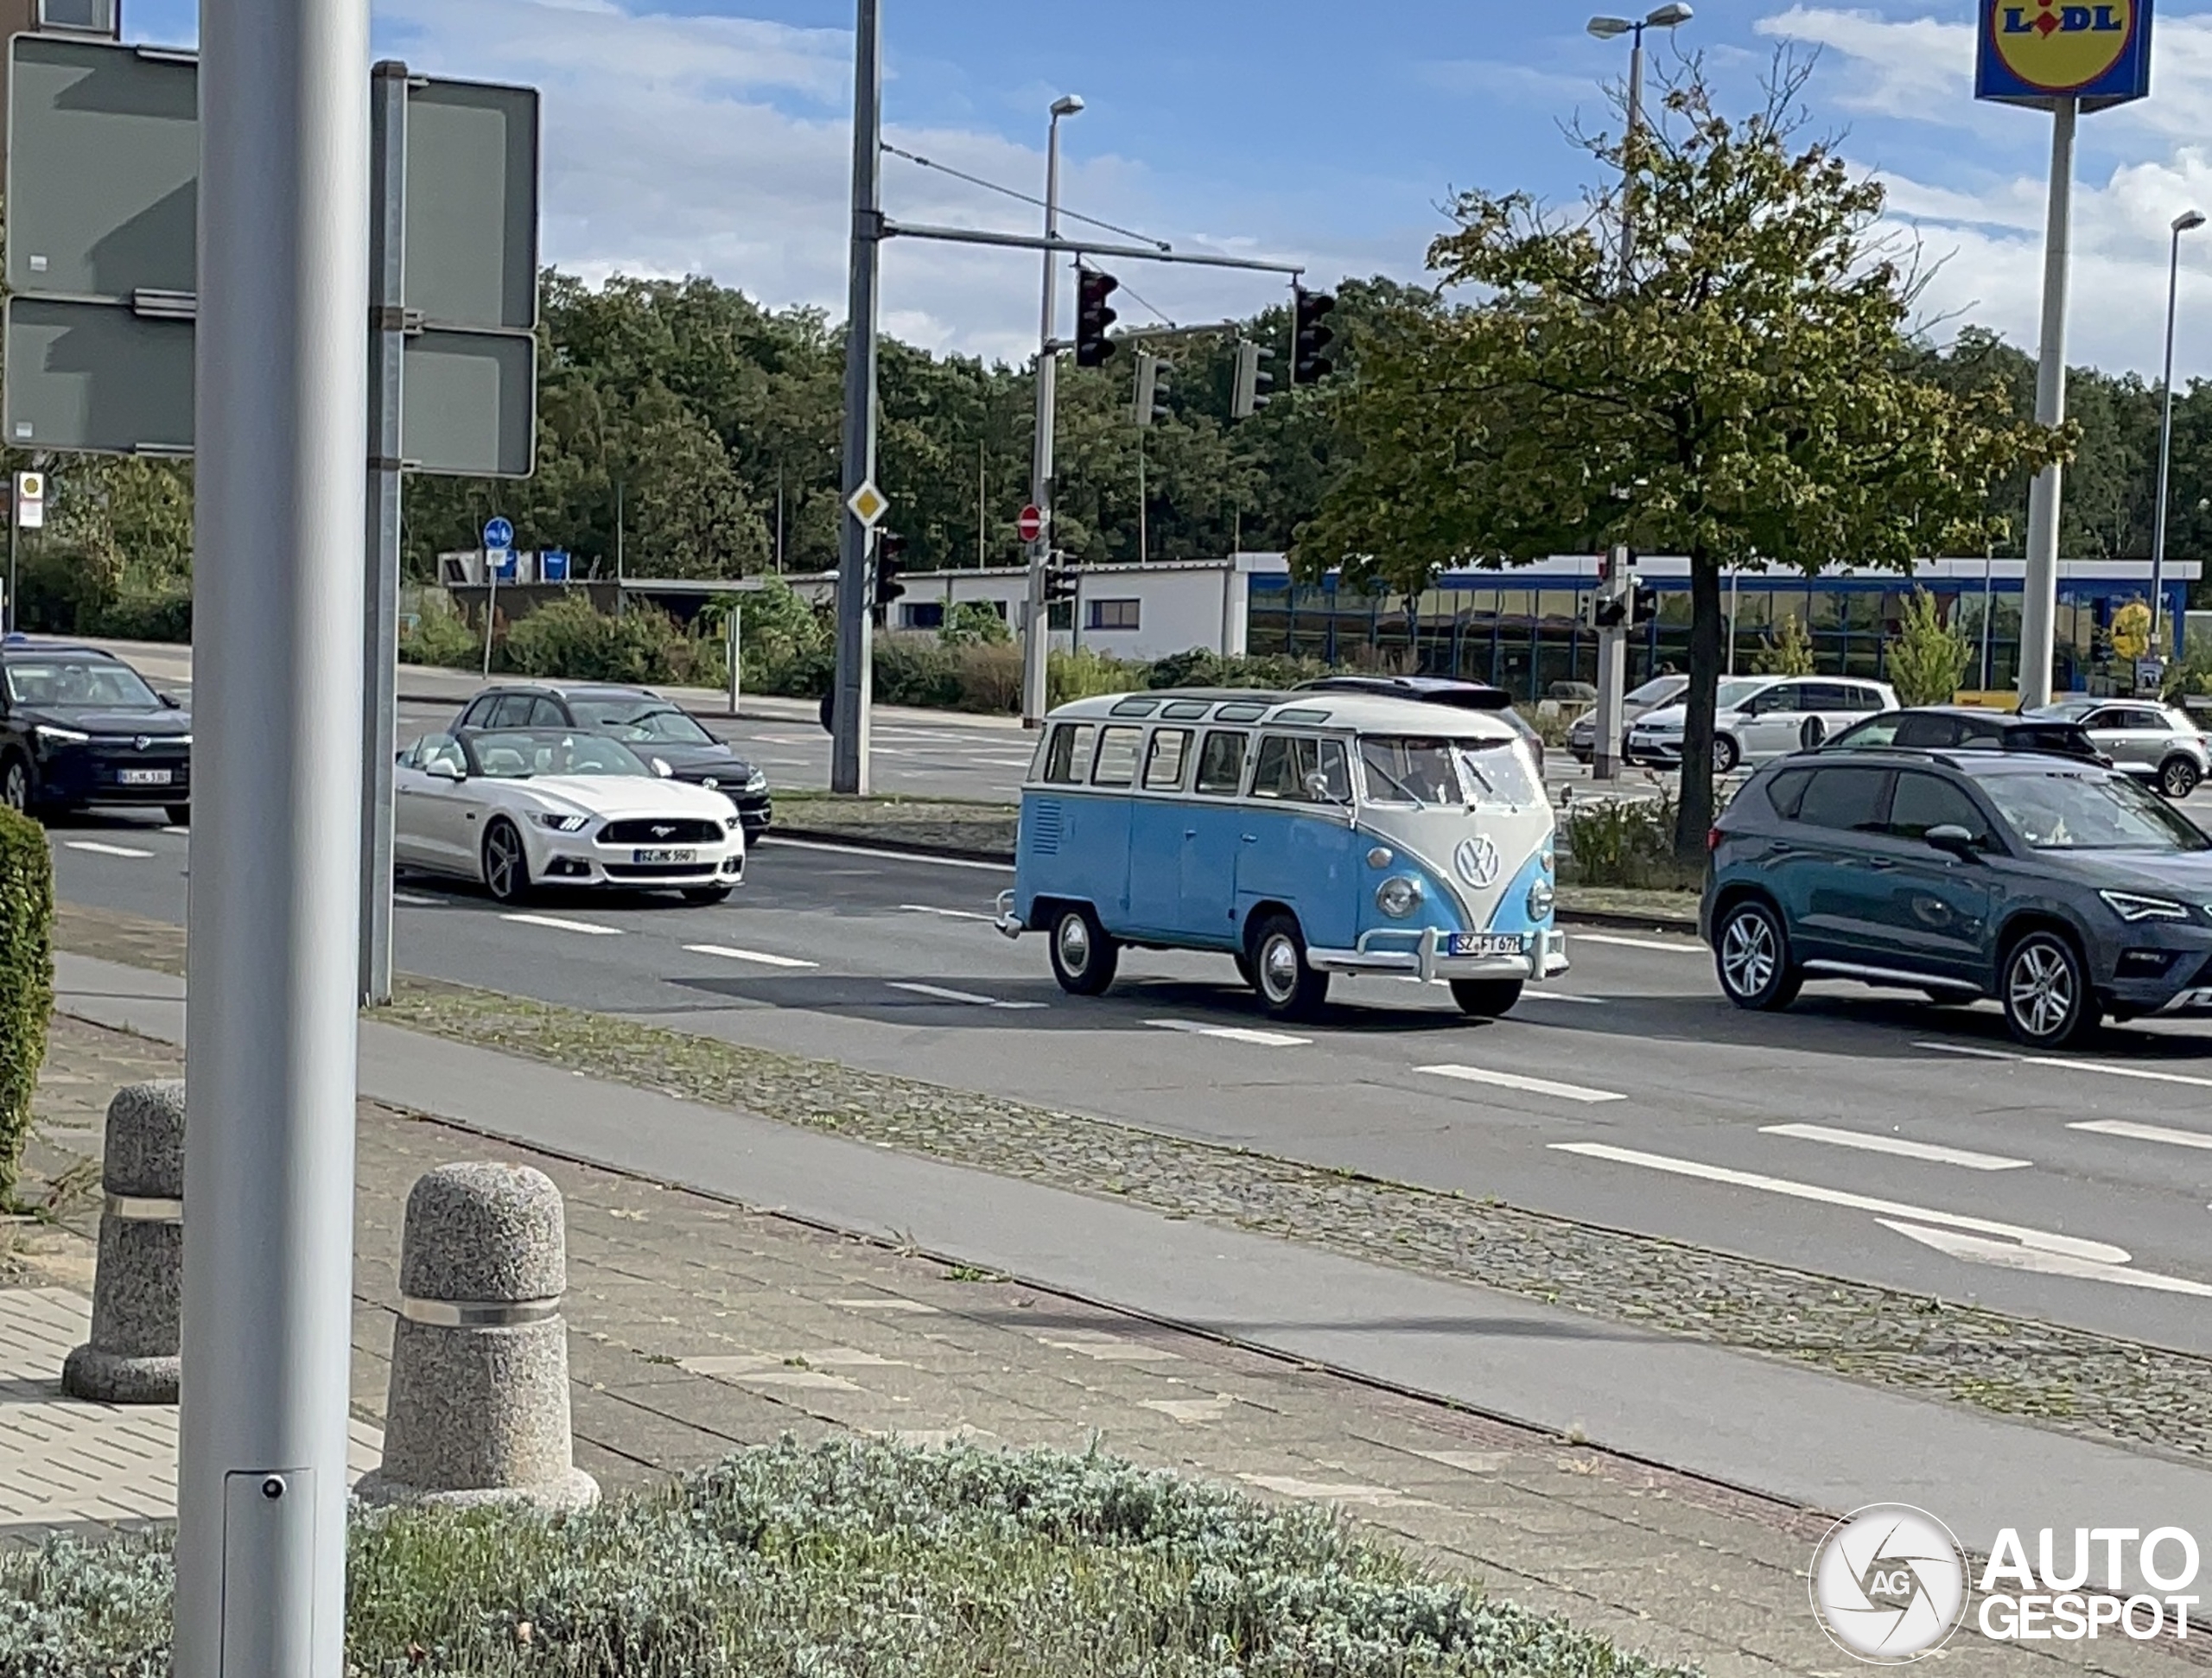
x=1757, y=718
x=519, y=808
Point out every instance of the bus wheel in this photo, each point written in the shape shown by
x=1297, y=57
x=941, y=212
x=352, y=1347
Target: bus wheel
x=1084, y=954
x=1289, y=987
x=1485, y=999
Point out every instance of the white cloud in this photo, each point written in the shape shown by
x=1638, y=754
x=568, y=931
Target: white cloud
x=1920, y=68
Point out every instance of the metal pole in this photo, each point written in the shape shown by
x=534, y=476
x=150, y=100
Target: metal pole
x=848, y=714
x=11, y=618
x=1988, y=610
x=492, y=604
x=1628, y=153
x=736, y=655
x=1612, y=673
x=2182, y=224
x=380, y=648
x=2039, y=588
x=1037, y=632
x=280, y=423
x=1144, y=532
x=1733, y=572
x=617, y=547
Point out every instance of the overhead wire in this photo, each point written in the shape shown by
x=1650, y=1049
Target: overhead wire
x=1026, y=198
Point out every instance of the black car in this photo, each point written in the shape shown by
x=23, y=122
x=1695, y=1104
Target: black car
x=1438, y=690
x=1938, y=728
x=79, y=726
x=643, y=721
x=2066, y=890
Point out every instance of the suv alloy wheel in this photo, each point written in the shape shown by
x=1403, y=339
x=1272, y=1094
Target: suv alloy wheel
x=1751, y=953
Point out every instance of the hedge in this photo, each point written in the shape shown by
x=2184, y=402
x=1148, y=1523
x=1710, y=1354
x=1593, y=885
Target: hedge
x=26, y=982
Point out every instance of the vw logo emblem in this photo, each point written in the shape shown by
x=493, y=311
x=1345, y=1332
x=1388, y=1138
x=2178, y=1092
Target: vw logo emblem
x=1476, y=861
x=143, y=741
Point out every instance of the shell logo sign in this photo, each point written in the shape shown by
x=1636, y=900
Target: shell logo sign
x=2033, y=52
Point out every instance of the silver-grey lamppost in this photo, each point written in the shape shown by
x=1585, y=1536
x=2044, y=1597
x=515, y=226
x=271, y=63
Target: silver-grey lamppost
x=1036, y=634
x=2187, y=221
x=1609, y=29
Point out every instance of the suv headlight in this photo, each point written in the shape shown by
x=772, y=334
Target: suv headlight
x=1541, y=899
x=2134, y=907
x=559, y=823
x=1398, y=896
x=49, y=735
x=757, y=781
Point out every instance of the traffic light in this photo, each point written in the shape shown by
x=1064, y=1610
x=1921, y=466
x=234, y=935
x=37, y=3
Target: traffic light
x=1092, y=316
x=1610, y=612
x=1060, y=582
x=890, y=561
x=1643, y=603
x=1151, y=402
x=1250, y=394
x=1311, y=336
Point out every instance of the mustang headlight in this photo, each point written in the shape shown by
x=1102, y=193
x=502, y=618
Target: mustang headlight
x=1541, y=898
x=733, y=824
x=556, y=822
x=2134, y=907
x=1398, y=896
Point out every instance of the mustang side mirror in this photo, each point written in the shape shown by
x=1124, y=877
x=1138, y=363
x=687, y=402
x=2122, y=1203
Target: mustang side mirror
x=1950, y=837
x=444, y=769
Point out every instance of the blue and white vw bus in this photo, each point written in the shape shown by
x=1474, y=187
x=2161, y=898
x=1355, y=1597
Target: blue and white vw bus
x=1304, y=835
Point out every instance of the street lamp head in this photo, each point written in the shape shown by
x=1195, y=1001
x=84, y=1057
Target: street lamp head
x=1668, y=17
x=1066, y=105
x=2189, y=221
x=1606, y=28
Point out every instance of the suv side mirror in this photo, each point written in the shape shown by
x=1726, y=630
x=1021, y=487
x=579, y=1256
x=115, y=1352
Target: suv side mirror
x=1951, y=838
x=168, y=701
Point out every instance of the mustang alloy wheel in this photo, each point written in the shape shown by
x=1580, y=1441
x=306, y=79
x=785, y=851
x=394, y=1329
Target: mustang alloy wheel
x=506, y=865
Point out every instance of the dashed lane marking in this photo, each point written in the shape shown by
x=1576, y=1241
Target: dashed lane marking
x=944, y=994
x=1672, y=946
x=1534, y=1086
x=2145, y=1132
x=590, y=928
x=759, y=957
x=1232, y=1033
x=99, y=849
x=1903, y=1147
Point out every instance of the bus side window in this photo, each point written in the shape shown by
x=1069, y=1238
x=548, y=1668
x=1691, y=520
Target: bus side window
x=1117, y=757
x=1281, y=770
x=1336, y=770
x=1071, y=754
x=1221, y=765
x=1163, y=760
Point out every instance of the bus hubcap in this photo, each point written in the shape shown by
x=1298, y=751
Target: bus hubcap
x=1075, y=943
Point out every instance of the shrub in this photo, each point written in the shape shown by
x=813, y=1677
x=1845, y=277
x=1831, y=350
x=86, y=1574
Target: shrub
x=913, y=669
x=1928, y=658
x=1788, y=652
x=159, y=615
x=1079, y=675
x=26, y=982
x=989, y=677
x=975, y=621
x=846, y=1559
x=441, y=638
x=1622, y=842
x=570, y=638
x=1202, y=667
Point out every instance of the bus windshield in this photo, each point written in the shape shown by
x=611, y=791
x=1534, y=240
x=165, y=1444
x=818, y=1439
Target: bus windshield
x=1403, y=770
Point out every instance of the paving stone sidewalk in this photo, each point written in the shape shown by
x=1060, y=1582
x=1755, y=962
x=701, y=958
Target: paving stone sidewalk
x=698, y=1326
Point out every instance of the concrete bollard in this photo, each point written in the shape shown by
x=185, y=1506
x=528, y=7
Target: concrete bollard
x=132, y=1356
x=478, y=1406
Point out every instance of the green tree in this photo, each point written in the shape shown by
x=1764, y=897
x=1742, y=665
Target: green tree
x=1927, y=659
x=1788, y=652
x=1746, y=394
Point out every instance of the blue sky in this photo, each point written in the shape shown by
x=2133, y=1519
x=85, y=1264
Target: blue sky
x=710, y=136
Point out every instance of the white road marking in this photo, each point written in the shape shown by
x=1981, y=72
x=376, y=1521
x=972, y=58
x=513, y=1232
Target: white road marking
x=176, y=829
x=2143, y=1073
x=950, y=915
x=968, y=996
x=2096, y=1252
x=761, y=956
x=1560, y=997
x=1534, y=1086
x=884, y=856
x=1977, y=1250
x=1677, y=947
x=99, y=849
x=1967, y=1049
x=2145, y=1132
x=1903, y=1147
x=559, y=926
x=417, y=902
x=1232, y=1033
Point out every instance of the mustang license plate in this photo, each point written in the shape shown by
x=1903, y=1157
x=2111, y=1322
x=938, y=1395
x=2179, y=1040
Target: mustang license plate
x=1488, y=943
x=142, y=777
x=648, y=856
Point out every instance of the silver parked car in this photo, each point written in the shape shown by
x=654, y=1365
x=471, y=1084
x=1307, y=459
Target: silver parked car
x=1582, y=737
x=2153, y=742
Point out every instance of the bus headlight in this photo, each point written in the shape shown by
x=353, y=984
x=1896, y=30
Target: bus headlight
x=1541, y=898
x=1398, y=896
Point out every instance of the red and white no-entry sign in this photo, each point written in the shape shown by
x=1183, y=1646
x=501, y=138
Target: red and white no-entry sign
x=1031, y=524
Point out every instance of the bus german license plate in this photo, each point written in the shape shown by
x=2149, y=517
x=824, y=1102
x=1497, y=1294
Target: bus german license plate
x=1488, y=943
x=645, y=858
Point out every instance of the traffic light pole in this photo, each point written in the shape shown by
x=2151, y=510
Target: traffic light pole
x=1613, y=673
x=848, y=720
x=1037, y=626
x=380, y=650
x=280, y=406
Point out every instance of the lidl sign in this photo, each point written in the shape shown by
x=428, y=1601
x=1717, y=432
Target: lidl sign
x=2034, y=52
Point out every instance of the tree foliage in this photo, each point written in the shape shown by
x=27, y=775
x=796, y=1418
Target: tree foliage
x=1927, y=659
x=1746, y=394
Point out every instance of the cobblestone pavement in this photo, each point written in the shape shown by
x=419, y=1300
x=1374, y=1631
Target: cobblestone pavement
x=2056, y=1376
x=697, y=1327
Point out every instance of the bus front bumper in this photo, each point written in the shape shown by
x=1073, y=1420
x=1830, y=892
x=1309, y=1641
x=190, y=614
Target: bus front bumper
x=1425, y=954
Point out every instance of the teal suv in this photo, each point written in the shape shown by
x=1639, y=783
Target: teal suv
x=2064, y=890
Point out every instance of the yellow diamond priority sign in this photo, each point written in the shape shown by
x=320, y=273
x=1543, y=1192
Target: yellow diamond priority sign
x=869, y=504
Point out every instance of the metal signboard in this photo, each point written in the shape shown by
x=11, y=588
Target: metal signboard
x=2034, y=52
x=103, y=201
x=30, y=500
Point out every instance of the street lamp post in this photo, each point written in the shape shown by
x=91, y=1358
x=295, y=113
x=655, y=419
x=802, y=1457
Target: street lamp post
x=1036, y=634
x=2187, y=221
x=1612, y=638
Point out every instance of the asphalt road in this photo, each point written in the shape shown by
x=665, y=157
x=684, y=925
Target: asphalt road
x=1855, y=1136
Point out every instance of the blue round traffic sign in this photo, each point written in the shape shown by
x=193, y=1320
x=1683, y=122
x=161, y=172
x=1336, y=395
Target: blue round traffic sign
x=498, y=533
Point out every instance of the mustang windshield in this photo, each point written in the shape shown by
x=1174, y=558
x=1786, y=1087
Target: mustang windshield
x=516, y=754
x=2090, y=811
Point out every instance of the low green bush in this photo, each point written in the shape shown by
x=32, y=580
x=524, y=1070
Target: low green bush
x=849, y=1560
x=569, y=638
x=1622, y=842
x=442, y=637
x=160, y=615
x=1080, y=674
x=26, y=982
x=1201, y=668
